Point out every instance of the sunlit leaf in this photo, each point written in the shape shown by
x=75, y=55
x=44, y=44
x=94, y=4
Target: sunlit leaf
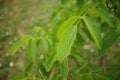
x=66, y=25
x=65, y=44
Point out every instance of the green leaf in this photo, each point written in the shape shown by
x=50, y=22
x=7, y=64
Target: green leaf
x=64, y=69
x=80, y=3
x=94, y=31
x=109, y=39
x=28, y=69
x=90, y=76
x=55, y=77
x=65, y=44
x=50, y=42
x=78, y=56
x=104, y=27
x=95, y=69
x=32, y=50
x=105, y=76
x=85, y=76
x=63, y=1
x=104, y=14
x=87, y=33
x=42, y=70
x=66, y=25
x=50, y=61
x=45, y=44
x=79, y=39
x=17, y=45
x=18, y=78
x=55, y=28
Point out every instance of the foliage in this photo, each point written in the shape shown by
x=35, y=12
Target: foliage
x=73, y=22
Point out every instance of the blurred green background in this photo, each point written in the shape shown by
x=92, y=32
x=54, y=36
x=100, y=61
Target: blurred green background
x=17, y=18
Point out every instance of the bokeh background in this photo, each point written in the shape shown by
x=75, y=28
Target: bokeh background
x=18, y=18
